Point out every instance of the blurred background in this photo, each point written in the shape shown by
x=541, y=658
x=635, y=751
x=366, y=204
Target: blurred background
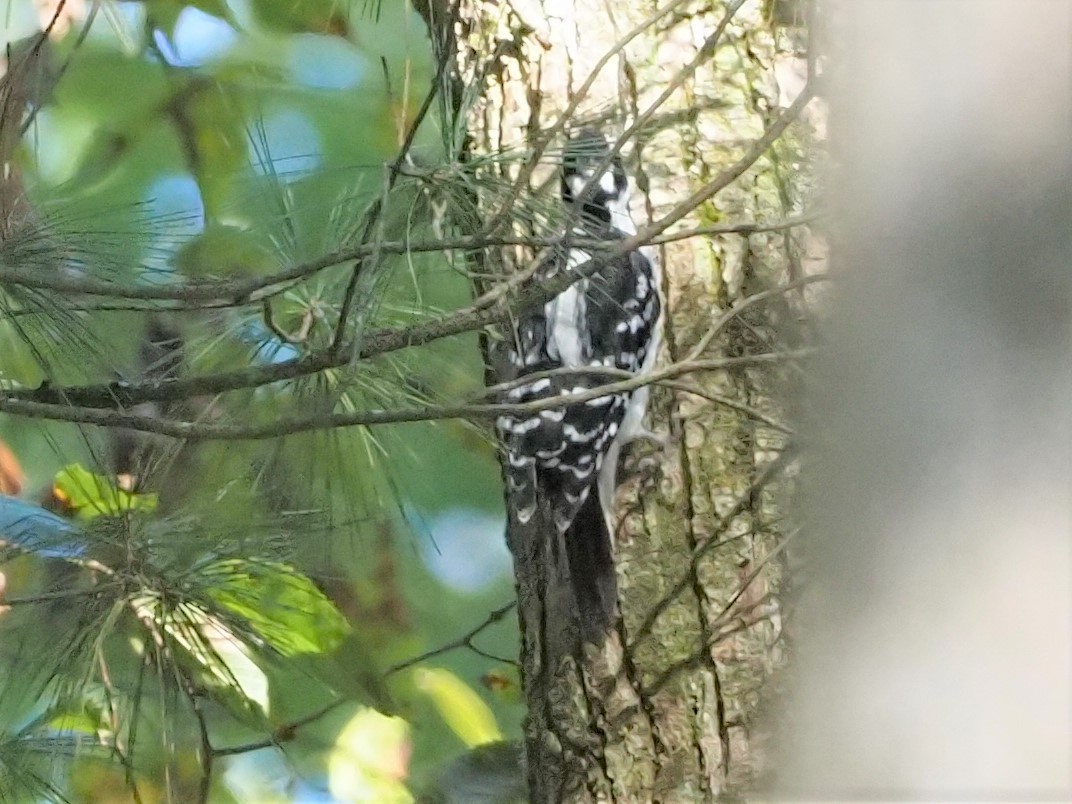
x=938, y=591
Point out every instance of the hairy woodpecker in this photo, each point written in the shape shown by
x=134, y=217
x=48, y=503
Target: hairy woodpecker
x=610, y=317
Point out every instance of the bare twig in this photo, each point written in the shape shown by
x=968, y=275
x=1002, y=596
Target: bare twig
x=464, y=641
x=769, y=473
x=48, y=597
x=15, y=404
x=763, y=610
x=376, y=214
x=522, y=181
x=205, y=752
x=695, y=354
x=286, y=337
x=235, y=292
x=49, y=402
x=283, y=734
x=725, y=401
x=705, y=53
x=111, y=696
x=758, y=298
x=728, y=621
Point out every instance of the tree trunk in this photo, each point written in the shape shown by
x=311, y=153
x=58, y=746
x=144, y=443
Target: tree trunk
x=664, y=710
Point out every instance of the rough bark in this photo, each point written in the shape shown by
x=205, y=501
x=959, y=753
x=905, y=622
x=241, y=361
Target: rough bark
x=664, y=709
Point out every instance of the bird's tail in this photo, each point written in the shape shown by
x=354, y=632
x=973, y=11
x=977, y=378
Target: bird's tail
x=590, y=558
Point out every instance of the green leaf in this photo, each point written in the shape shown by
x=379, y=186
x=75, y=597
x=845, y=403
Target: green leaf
x=80, y=722
x=462, y=709
x=90, y=495
x=83, y=713
x=211, y=123
x=225, y=661
x=282, y=606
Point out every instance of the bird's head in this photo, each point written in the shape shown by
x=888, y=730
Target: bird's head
x=606, y=201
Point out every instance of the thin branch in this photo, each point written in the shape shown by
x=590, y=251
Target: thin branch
x=206, y=752
x=464, y=641
x=283, y=734
x=376, y=215
x=731, y=173
x=738, y=228
x=705, y=53
x=522, y=181
x=121, y=394
x=165, y=427
x=235, y=292
x=193, y=430
x=48, y=597
x=196, y=431
x=763, y=610
x=62, y=71
x=607, y=371
x=769, y=473
x=725, y=401
x=518, y=278
x=724, y=615
x=111, y=697
x=729, y=622
x=303, y=330
x=757, y=298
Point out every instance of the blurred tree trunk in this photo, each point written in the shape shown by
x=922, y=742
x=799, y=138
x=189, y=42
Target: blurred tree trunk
x=665, y=709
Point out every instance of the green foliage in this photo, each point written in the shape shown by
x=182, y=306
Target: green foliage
x=163, y=14
x=223, y=251
x=303, y=16
x=281, y=606
x=213, y=656
x=233, y=593
x=89, y=495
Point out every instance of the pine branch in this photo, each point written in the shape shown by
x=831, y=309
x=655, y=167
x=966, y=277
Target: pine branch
x=122, y=394
x=197, y=431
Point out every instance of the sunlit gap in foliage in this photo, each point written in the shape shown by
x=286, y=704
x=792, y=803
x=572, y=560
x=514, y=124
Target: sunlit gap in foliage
x=465, y=549
x=197, y=39
x=326, y=62
x=174, y=203
x=269, y=348
x=286, y=145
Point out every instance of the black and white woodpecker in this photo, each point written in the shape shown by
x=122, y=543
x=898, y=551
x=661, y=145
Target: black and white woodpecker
x=566, y=458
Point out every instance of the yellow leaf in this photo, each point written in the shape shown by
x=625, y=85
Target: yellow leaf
x=463, y=710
